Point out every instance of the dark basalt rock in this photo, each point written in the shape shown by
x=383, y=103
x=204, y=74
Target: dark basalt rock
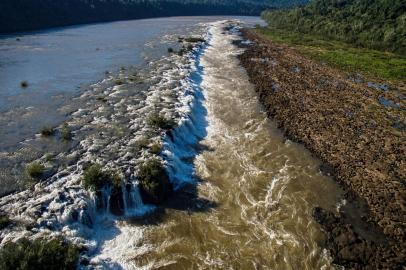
x=116, y=201
x=86, y=219
x=74, y=215
x=100, y=203
x=351, y=250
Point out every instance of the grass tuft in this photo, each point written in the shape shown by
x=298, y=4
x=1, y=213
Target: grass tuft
x=95, y=178
x=119, y=82
x=35, y=169
x=49, y=157
x=102, y=99
x=194, y=39
x=66, y=132
x=156, y=149
x=47, y=131
x=141, y=143
x=161, y=122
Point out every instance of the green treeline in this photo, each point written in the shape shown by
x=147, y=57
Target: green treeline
x=375, y=24
x=24, y=15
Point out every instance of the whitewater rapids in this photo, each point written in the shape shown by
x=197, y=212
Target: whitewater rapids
x=243, y=194
x=255, y=189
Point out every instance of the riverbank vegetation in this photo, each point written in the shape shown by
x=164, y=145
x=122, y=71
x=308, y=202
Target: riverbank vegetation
x=374, y=63
x=374, y=24
x=39, y=254
x=27, y=15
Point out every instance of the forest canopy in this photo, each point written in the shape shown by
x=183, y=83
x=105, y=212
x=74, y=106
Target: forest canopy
x=376, y=24
x=24, y=15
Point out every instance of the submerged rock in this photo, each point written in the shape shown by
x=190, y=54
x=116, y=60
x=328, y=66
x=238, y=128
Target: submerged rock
x=351, y=250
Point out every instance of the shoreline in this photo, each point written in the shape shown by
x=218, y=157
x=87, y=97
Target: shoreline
x=342, y=122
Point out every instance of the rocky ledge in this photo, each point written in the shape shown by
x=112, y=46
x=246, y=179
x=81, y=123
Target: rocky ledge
x=360, y=139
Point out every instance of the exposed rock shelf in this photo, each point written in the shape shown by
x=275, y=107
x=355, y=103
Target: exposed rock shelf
x=343, y=122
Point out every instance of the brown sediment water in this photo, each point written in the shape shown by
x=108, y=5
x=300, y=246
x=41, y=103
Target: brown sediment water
x=263, y=187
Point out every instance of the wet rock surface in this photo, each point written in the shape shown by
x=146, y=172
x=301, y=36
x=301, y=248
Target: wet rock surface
x=351, y=250
x=343, y=122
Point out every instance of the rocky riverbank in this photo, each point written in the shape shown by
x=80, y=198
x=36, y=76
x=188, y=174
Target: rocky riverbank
x=357, y=128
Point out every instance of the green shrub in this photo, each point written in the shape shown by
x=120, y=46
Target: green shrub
x=141, y=143
x=170, y=50
x=161, y=122
x=153, y=181
x=66, y=133
x=341, y=55
x=374, y=24
x=4, y=222
x=35, y=169
x=118, y=82
x=47, y=131
x=94, y=178
x=135, y=78
x=156, y=148
x=39, y=254
x=49, y=157
x=194, y=39
x=102, y=99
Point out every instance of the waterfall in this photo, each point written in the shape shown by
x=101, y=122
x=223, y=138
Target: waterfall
x=135, y=196
x=124, y=189
x=104, y=200
x=131, y=198
x=133, y=204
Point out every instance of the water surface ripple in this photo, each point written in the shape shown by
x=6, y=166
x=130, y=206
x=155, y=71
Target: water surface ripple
x=243, y=193
x=263, y=186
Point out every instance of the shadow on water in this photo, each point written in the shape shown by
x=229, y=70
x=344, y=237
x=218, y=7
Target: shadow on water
x=186, y=200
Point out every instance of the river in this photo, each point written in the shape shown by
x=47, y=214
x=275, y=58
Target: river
x=243, y=196
x=61, y=64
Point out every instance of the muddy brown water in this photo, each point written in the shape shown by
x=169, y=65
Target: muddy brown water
x=264, y=187
x=247, y=192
